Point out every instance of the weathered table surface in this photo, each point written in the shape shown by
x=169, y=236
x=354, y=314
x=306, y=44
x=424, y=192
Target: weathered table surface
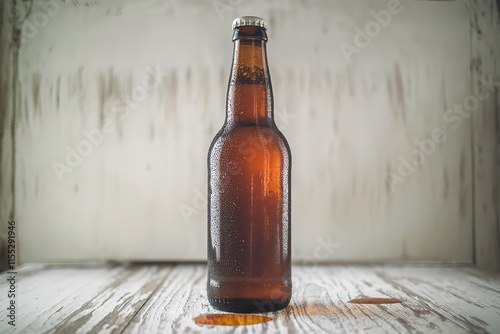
x=139, y=298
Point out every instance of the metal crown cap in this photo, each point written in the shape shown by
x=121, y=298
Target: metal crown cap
x=249, y=21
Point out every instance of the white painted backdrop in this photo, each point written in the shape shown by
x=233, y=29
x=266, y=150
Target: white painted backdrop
x=139, y=194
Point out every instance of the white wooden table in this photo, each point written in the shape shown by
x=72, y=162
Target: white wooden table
x=164, y=298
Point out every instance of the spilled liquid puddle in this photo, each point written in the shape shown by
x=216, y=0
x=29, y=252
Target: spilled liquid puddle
x=251, y=319
x=231, y=319
x=374, y=301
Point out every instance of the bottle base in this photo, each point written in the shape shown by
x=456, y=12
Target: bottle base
x=240, y=305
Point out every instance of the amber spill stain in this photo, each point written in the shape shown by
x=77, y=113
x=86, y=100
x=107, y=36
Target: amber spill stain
x=374, y=301
x=231, y=319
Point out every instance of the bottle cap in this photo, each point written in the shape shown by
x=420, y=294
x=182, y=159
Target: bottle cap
x=249, y=21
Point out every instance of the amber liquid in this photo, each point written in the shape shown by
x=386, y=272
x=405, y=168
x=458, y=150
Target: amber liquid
x=230, y=319
x=249, y=195
x=374, y=301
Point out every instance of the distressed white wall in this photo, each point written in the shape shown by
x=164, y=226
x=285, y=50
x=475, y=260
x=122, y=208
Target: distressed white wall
x=348, y=125
x=485, y=62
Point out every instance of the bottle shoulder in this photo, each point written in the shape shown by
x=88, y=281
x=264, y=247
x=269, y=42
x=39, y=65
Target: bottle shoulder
x=230, y=134
x=241, y=137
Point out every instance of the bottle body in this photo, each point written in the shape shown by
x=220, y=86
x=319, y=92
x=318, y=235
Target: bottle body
x=249, y=166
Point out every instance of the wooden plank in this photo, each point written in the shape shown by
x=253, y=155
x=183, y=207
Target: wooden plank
x=319, y=304
x=82, y=300
x=480, y=277
x=26, y=270
x=485, y=67
x=455, y=293
x=181, y=297
x=114, y=307
x=156, y=299
x=325, y=291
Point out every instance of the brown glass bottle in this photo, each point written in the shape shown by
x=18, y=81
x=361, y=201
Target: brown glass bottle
x=249, y=165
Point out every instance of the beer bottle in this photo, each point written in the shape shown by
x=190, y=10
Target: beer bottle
x=249, y=165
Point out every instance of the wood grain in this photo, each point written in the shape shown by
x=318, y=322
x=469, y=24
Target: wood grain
x=180, y=298
x=166, y=298
x=88, y=299
x=449, y=294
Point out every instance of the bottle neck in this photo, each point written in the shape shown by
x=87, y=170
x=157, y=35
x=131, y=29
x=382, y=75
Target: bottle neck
x=250, y=97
